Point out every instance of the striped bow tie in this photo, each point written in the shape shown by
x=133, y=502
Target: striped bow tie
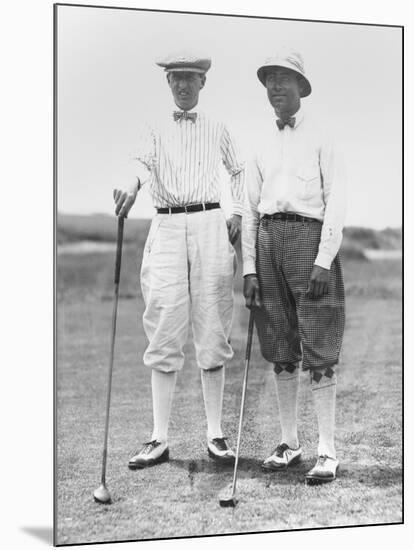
x=185, y=115
x=282, y=123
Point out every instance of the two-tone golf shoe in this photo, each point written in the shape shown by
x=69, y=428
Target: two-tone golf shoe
x=282, y=457
x=219, y=450
x=324, y=471
x=153, y=452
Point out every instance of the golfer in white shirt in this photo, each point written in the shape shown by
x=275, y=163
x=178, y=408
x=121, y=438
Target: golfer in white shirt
x=292, y=231
x=188, y=264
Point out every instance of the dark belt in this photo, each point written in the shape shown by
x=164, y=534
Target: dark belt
x=189, y=208
x=289, y=216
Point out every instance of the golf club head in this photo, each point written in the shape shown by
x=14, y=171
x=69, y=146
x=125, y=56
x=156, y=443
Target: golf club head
x=227, y=498
x=101, y=495
x=230, y=502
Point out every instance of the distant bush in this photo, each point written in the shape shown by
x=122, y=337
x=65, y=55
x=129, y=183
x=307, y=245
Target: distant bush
x=352, y=251
x=98, y=227
x=103, y=228
x=386, y=239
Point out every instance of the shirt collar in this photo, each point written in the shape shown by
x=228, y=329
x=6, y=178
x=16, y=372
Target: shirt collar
x=195, y=109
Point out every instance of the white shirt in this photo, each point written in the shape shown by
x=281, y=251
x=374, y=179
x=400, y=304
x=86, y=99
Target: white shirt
x=299, y=170
x=180, y=160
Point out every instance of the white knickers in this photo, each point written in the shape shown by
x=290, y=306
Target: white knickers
x=187, y=272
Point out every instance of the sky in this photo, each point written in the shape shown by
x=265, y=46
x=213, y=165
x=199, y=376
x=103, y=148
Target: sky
x=109, y=84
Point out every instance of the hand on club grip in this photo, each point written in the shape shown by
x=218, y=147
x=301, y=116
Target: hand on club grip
x=124, y=200
x=251, y=291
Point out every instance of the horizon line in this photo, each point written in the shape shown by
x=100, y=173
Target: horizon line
x=110, y=215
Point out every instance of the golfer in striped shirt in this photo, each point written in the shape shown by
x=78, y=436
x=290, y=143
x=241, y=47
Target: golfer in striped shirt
x=188, y=264
x=292, y=231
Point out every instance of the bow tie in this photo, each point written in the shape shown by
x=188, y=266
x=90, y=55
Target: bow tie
x=282, y=123
x=184, y=115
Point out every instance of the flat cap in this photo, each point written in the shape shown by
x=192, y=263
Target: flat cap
x=288, y=59
x=185, y=62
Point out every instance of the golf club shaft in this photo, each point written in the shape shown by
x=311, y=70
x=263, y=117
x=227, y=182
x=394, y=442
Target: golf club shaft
x=246, y=370
x=113, y=332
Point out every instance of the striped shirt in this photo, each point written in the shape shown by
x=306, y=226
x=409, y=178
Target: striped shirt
x=298, y=170
x=180, y=161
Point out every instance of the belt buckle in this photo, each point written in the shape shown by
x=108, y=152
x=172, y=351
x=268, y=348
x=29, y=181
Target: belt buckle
x=185, y=209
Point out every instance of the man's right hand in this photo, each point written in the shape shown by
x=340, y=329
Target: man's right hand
x=124, y=200
x=251, y=291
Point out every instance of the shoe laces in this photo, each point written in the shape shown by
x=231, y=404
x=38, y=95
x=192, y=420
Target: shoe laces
x=220, y=443
x=149, y=447
x=321, y=460
x=280, y=449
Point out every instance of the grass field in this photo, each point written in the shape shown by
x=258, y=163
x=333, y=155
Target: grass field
x=180, y=498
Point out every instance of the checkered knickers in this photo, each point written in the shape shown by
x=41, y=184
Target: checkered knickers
x=290, y=324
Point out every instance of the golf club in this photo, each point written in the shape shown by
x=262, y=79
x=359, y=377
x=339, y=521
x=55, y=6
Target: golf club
x=101, y=494
x=228, y=497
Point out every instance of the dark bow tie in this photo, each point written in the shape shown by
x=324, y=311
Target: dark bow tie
x=185, y=115
x=282, y=123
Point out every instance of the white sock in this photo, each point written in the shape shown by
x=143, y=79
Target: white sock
x=324, y=396
x=212, y=382
x=287, y=384
x=163, y=385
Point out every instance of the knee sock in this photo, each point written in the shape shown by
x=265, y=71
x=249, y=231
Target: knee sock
x=212, y=382
x=163, y=385
x=287, y=384
x=323, y=384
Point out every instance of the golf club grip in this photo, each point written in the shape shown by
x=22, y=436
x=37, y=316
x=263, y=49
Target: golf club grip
x=119, y=249
x=249, y=335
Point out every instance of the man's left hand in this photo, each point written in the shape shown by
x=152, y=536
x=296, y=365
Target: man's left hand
x=318, y=282
x=234, y=228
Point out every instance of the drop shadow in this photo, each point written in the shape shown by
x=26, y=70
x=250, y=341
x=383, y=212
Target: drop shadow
x=249, y=466
x=377, y=475
x=44, y=534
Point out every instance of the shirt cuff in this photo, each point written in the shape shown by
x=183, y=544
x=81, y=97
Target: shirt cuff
x=238, y=208
x=249, y=267
x=324, y=260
